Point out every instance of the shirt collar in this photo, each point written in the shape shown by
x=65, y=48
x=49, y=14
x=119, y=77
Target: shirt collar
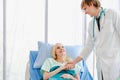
x=99, y=13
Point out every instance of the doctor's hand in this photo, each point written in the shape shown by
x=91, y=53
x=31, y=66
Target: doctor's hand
x=70, y=65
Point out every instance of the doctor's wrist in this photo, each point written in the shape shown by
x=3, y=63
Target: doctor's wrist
x=78, y=59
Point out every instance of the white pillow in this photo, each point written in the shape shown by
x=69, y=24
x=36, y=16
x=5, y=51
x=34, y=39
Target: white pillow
x=44, y=51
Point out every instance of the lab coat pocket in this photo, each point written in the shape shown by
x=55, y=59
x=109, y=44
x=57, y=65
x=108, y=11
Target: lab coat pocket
x=112, y=54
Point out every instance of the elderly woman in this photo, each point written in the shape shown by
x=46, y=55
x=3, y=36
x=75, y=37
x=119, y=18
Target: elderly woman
x=55, y=68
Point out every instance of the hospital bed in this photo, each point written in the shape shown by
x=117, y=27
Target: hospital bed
x=34, y=73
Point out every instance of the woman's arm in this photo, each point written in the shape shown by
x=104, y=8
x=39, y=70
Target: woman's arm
x=77, y=77
x=47, y=75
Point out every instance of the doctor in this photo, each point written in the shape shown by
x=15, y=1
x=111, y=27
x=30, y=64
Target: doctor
x=103, y=38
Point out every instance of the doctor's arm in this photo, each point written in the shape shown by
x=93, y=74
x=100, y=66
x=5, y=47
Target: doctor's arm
x=85, y=52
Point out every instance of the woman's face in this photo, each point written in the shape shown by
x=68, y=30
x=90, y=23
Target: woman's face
x=60, y=50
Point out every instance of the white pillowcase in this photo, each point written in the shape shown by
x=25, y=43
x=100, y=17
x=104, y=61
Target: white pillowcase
x=44, y=52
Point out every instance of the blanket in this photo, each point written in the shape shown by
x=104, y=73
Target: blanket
x=57, y=76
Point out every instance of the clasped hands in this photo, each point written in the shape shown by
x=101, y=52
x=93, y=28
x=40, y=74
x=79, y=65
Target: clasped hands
x=69, y=65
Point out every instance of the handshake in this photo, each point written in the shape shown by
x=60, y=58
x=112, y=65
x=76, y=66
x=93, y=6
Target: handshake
x=68, y=66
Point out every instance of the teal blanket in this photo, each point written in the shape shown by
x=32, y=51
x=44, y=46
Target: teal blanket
x=57, y=76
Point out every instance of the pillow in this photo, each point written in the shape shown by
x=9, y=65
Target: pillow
x=44, y=51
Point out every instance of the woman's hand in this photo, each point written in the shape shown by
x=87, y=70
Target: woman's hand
x=63, y=67
x=71, y=64
x=68, y=76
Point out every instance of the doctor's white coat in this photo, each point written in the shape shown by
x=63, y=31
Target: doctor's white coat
x=106, y=44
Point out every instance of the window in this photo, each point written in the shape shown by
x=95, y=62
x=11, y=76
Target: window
x=25, y=26
x=1, y=39
x=64, y=22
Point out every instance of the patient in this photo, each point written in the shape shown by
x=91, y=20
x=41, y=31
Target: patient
x=55, y=68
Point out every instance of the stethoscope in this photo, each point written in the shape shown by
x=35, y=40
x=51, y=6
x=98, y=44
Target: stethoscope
x=102, y=12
